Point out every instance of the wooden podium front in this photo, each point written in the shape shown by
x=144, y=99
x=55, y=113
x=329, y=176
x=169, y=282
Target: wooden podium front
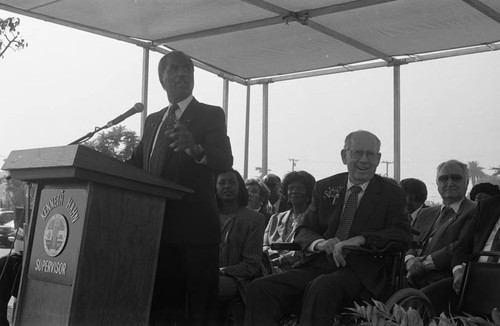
x=92, y=247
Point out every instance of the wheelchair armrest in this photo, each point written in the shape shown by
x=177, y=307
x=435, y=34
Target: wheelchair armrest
x=475, y=256
x=291, y=246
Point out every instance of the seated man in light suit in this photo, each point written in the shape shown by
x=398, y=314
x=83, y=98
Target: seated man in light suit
x=440, y=226
x=480, y=234
x=357, y=208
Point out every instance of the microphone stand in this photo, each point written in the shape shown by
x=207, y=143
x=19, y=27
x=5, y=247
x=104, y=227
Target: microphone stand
x=89, y=135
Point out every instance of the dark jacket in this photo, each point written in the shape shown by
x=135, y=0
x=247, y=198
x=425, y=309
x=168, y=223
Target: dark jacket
x=381, y=217
x=194, y=218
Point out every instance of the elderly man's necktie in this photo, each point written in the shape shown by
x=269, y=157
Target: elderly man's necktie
x=160, y=149
x=446, y=213
x=348, y=214
x=443, y=217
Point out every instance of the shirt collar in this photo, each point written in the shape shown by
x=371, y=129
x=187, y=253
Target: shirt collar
x=362, y=185
x=415, y=212
x=183, y=104
x=455, y=206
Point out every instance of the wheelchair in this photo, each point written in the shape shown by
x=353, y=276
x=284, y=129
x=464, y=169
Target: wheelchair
x=479, y=292
x=394, y=292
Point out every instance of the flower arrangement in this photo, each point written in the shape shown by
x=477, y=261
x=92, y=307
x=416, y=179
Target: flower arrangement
x=380, y=315
x=333, y=193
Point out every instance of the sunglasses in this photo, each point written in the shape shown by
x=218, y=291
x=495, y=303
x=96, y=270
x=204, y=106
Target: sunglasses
x=445, y=177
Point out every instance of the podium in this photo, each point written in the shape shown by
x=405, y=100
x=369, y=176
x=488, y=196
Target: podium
x=94, y=235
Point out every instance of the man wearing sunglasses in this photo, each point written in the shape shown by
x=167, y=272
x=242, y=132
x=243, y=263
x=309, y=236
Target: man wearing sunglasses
x=440, y=227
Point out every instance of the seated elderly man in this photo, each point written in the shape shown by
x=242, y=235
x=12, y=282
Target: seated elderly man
x=357, y=208
x=440, y=226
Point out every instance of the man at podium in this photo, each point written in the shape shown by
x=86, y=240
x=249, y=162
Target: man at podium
x=186, y=143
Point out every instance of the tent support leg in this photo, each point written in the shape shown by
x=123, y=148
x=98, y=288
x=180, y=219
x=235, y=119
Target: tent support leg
x=225, y=97
x=247, y=134
x=265, y=128
x=397, y=122
x=145, y=84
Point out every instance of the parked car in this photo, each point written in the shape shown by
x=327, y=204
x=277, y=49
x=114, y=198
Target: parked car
x=6, y=227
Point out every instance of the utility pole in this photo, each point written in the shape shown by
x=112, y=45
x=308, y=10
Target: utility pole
x=386, y=167
x=294, y=163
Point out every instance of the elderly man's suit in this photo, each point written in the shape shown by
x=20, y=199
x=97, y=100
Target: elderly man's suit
x=381, y=217
x=439, y=241
x=191, y=225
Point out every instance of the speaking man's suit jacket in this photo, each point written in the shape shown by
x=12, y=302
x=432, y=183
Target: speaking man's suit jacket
x=439, y=242
x=476, y=233
x=381, y=217
x=194, y=218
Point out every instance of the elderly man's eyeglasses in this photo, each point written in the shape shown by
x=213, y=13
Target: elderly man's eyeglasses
x=371, y=156
x=445, y=177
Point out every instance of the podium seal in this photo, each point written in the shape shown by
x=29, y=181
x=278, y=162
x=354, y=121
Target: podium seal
x=56, y=235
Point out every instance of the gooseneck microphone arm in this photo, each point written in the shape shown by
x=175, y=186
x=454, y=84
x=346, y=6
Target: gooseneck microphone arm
x=138, y=107
x=88, y=136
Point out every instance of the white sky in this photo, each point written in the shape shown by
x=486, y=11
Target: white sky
x=68, y=82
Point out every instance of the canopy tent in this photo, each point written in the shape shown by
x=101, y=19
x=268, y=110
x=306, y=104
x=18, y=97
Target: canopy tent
x=258, y=42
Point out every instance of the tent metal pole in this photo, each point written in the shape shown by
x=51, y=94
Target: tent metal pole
x=397, y=122
x=247, y=134
x=225, y=97
x=265, y=128
x=145, y=83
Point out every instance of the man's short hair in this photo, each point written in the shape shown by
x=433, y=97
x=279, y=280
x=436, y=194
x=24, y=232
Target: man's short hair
x=347, y=142
x=271, y=180
x=415, y=187
x=163, y=62
x=462, y=165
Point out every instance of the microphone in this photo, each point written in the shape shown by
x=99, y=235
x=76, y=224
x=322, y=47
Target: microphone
x=138, y=107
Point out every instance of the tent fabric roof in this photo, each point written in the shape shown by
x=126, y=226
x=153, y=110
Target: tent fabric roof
x=255, y=41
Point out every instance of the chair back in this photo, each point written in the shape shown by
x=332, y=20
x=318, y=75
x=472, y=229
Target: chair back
x=480, y=291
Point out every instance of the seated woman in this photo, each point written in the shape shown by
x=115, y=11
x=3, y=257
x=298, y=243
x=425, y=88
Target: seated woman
x=297, y=190
x=242, y=230
x=258, y=197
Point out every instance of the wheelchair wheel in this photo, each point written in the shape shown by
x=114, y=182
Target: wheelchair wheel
x=410, y=297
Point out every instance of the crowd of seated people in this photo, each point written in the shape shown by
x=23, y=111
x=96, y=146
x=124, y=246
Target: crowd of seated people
x=315, y=281
x=437, y=229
